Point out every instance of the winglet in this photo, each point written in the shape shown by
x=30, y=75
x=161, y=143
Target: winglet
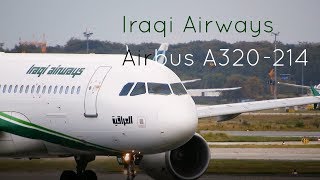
x=160, y=54
x=314, y=91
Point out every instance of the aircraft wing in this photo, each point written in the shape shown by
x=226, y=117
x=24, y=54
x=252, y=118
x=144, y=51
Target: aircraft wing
x=293, y=85
x=225, y=112
x=190, y=81
x=199, y=92
x=299, y=86
x=212, y=90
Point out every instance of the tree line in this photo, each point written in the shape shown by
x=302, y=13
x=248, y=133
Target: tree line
x=252, y=79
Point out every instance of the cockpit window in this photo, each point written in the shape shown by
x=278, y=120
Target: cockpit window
x=126, y=89
x=158, y=88
x=140, y=88
x=178, y=89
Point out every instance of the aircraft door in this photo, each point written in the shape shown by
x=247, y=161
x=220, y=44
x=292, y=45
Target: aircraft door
x=90, y=101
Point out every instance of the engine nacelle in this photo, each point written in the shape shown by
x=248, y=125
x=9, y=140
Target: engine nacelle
x=189, y=161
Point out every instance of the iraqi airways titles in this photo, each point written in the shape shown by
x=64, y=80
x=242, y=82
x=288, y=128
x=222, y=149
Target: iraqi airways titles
x=198, y=25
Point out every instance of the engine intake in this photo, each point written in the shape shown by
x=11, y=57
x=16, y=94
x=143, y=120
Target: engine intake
x=189, y=161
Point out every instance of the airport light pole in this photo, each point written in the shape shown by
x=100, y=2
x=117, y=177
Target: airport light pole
x=275, y=67
x=302, y=75
x=87, y=35
x=1, y=45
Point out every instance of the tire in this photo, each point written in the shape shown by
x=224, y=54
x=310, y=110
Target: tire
x=68, y=175
x=130, y=177
x=90, y=175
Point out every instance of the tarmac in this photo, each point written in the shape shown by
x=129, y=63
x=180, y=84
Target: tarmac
x=294, y=154
x=56, y=175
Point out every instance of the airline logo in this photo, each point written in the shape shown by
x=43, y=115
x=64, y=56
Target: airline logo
x=117, y=120
x=55, y=70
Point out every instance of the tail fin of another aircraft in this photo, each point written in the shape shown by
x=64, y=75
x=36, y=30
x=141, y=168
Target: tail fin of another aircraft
x=159, y=54
x=314, y=91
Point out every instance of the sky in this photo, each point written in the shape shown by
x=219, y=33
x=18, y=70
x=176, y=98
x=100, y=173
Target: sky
x=60, y=20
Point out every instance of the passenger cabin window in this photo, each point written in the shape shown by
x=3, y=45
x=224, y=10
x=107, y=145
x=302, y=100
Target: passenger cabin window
x=21, y=89
x=49, y=89
x=9, y=89
x=78, y=89
x=159, y=88
x=55, y=89
x=27, y=89
x=61, y=89
x=44, y=89
x=126, y=89
x=72, y=89
x=38, y=89
x=140, y=88
x=15, y=89
x=32, y=88
x=66, y=90
x=4, y=88
x=178, y=89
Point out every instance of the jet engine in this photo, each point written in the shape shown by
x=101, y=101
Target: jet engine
x=189, y=161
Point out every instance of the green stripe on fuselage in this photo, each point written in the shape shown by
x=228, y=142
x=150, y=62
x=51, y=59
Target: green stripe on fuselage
x=29, y=130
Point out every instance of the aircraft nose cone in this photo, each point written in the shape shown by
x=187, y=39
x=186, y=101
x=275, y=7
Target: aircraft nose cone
x=179, y=122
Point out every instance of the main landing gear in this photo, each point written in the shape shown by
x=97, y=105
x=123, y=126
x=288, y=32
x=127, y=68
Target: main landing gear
x=81, y=173
x=129, y=161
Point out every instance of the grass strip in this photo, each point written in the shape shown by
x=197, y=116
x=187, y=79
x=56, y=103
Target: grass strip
x=266, y=146
x=222, y=137
x=263, y=123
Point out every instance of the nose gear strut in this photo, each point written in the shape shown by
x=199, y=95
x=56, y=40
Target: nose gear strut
x=129, y=161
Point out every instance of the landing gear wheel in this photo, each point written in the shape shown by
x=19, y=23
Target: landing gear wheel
x=129, y=161
x=131, y=177
x=68, y=175
x=89, y=175
x=81, y=172
x=131, y=171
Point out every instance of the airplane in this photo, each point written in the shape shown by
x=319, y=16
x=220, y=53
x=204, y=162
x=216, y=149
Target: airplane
x=315, y=87
x=209, y=92
x=160, y=58
x=89, y=105
x=204, y=92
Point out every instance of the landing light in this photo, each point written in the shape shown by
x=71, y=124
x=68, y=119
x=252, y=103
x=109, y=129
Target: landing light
x=127, y=157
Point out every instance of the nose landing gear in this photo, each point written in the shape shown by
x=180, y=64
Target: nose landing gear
x=129, y=161
x=81, y=172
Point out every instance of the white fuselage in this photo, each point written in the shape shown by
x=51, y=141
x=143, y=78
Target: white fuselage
x=81, y=116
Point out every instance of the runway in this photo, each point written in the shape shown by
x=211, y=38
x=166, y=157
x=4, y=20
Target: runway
x=55, y=176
